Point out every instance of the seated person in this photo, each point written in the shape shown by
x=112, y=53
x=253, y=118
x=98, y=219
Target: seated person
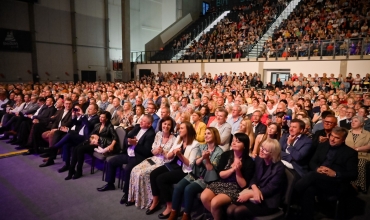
x=236, y=170
x=266, y=188
x=103, y=137
x=296, y=148
x=332, y=167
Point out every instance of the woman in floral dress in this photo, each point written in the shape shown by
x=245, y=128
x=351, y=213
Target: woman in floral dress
x=139, y=189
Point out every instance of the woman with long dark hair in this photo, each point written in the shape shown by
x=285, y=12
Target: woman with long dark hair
x=103, y=137
x=235, y=169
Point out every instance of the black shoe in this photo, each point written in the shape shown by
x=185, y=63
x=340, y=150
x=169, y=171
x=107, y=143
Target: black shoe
x=130, y=203
x=20, y=148
x=161, y=216
x=5, y=137
x=70, y=174
x=123, y=199
x=106, y=187
x=63, y=169
x=45, y=155
x=10, y=141
x=77, y=175
x=149, y=212
x=47, y=163
x=29, y=152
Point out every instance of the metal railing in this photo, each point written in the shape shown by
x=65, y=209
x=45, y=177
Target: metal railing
x=334, y=49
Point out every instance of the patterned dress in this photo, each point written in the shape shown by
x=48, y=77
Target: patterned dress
x=139, y=189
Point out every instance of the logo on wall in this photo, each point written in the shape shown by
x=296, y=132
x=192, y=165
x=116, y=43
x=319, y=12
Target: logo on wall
x=10, y=40
x=15, y=40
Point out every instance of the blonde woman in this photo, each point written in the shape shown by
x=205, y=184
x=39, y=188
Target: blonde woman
x=273, y=131
x=247, y=128
x=199, y=126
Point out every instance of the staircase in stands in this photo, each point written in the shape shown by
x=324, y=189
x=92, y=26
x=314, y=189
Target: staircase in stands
x=255, y=52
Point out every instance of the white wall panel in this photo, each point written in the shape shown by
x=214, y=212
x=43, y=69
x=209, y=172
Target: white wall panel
x=14, y=65
x=52, y=25
x=115, y=25
x=14, y=15
x=92, y=59
x=249, y=67
x=361, y=67
x=56, y=60
x=188, y=68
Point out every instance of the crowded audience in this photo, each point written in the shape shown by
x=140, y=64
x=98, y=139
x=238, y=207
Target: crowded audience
x=226, y=140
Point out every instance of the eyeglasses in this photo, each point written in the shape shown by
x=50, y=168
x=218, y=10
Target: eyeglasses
x=329, y=122
x=264, y=150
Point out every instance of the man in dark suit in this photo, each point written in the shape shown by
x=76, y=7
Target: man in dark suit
x=332, y=167
x=40, y=119
x=115, y=117
x=258, y=126
x=329, y=122
x=346, y=123
x=68, y=137
x=296, y=148
x=140, y=141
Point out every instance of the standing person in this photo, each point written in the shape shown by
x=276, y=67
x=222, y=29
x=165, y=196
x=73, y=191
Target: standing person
x=161, y=179
x=266, y=188
x=236, y=170
x=204, y=171
x=140, y=192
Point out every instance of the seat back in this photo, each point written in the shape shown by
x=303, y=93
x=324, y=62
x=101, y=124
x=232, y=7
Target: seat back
x=121, y=133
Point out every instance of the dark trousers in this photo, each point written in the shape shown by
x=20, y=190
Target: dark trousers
x=24, y=131
x=188, y=191
x=248, y=210
x=67, y=142
x=78, y=156
x=315, y=184
x=117, y=162
x=37, y=140
x=165, y=180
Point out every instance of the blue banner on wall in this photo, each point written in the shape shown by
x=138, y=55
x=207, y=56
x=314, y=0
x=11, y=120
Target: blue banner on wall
x=15, y=40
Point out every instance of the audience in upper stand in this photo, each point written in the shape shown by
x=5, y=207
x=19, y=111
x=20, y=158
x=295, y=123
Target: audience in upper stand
x=46, y=117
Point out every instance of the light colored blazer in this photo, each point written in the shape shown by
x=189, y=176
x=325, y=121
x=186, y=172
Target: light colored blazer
x=200, y=130
x=361, y=140
x=190, y=153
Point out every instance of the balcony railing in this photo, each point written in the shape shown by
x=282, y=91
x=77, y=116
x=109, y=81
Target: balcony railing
x=353, y=48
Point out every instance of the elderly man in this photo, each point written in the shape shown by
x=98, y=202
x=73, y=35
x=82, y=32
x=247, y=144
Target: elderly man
x=332, y=167
x=346, y=123
x=140, y=141
x=296, y=148
x=224, y=128
x=258, y=126
x=235, y=119
x=320, y=136
x=116, y=107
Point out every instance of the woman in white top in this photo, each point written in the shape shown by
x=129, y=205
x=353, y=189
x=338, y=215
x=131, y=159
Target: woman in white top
x=140, y=191
x=183, y=155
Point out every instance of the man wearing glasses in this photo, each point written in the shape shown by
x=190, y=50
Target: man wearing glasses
x=296, y=148
x=332, y=167
x=346, y=123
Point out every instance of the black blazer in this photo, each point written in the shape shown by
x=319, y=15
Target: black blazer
x=84, y=121
x=66, y=121
x=260, y=129
x=271, y=183
x=300, y=153
x=45, y=114
x=143, y=148
x=344, y=164
x=343, y=123
x=106, y=136
x=227, y=158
